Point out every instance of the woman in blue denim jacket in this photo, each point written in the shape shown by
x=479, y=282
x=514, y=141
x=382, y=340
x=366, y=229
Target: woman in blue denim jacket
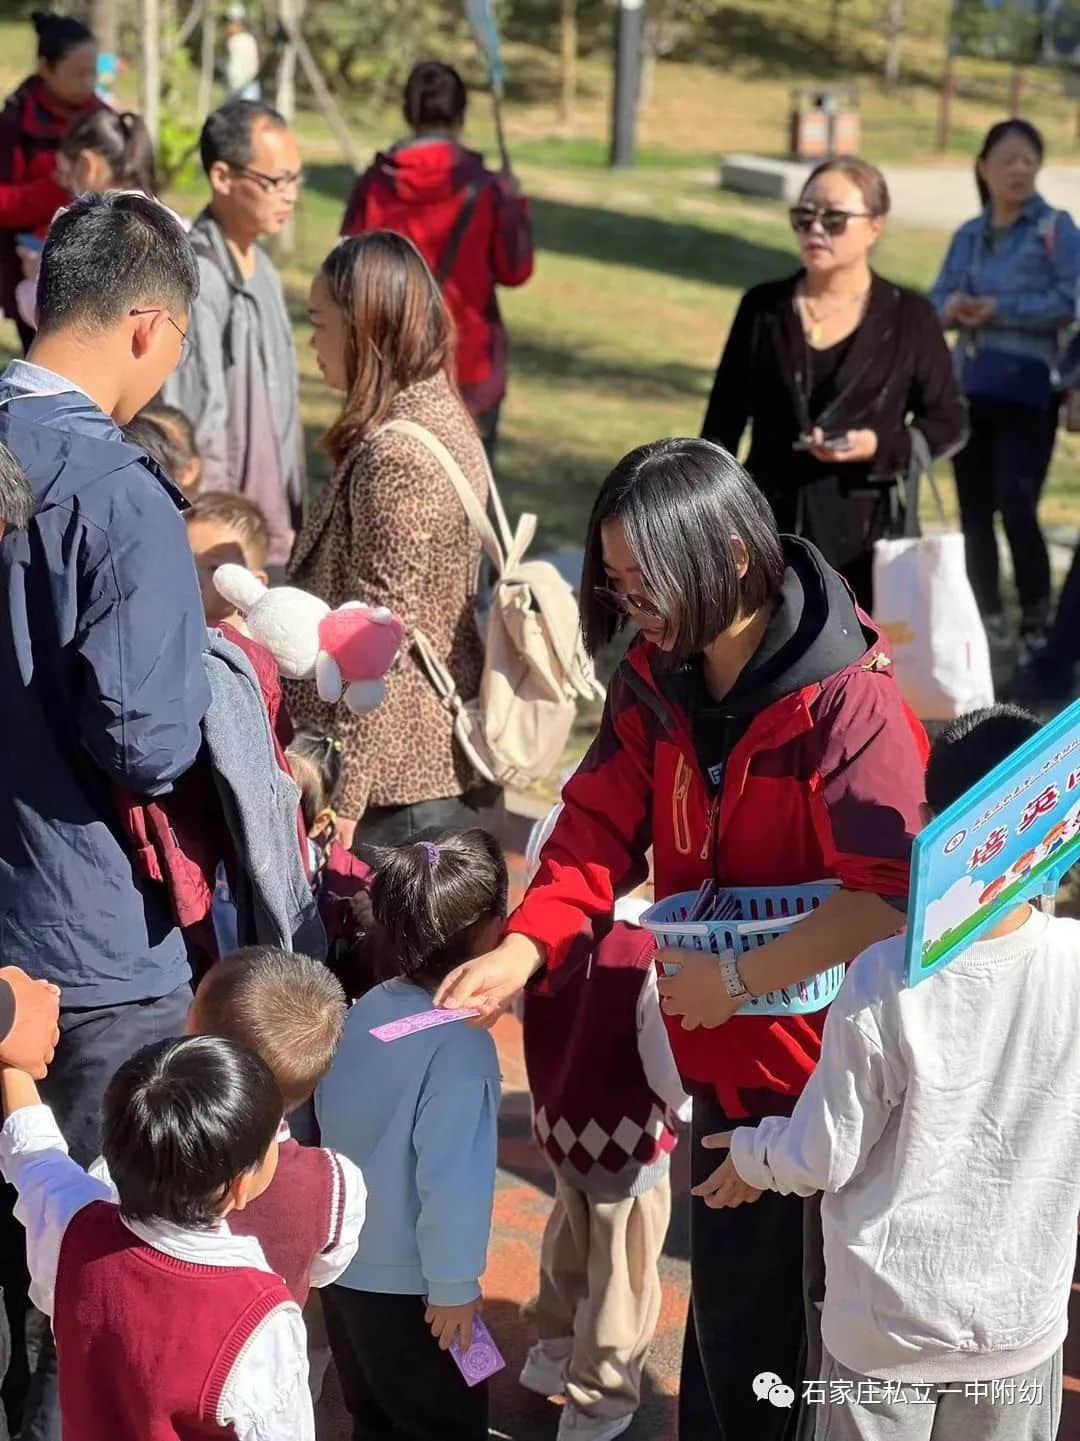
x=1008, y=287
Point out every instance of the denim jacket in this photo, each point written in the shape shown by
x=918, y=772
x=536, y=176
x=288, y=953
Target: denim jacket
x=1031, y=272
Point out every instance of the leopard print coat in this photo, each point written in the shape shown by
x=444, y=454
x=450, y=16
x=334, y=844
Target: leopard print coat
x=389, y=530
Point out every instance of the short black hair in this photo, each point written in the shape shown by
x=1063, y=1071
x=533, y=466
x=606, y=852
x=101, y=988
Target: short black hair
x=16, y=497
x=182, y=1120
x=107, y=255
x=288, y=1009
x=431, y=896
x=57, y=34
x=435, y=96
x=968, y=749
x=320, y=778
x=142, y=430
x=226, y=134
x=680, y=503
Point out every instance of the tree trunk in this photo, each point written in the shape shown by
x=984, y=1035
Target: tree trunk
x=206, y=59
x=894, y=39
x=151, y=65
x=289, y=15
x=105, y=23
x=568, y=48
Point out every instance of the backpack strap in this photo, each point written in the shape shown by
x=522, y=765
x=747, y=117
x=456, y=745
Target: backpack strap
x=457, y=235
x=495, y=551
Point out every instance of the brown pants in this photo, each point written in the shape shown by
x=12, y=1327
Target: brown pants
x=599, y=1284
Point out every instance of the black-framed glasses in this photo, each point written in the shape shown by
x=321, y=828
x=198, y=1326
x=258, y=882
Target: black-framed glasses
x=185, y=343
x=834, y=222
x=628, y=603
x=271, y=184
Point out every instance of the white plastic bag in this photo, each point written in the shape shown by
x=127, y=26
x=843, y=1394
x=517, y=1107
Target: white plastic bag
x=924, y=603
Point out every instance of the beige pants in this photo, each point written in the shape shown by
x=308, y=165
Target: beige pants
x=599, y=1284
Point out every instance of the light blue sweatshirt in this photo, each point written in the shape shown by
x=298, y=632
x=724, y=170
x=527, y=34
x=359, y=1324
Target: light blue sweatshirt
x=419, y=1116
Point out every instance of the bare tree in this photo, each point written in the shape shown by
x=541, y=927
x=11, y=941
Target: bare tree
x=206, y=58
x=894, y=25
x=568, y=48
x=151, y=65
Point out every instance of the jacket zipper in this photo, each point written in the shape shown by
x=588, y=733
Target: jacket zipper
x=680, y=818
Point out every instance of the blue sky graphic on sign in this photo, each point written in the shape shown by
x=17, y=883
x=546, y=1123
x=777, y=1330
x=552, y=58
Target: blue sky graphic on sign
x=1011, y=837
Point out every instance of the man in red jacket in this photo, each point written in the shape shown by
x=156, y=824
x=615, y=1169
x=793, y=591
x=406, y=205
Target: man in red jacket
x=470, y=225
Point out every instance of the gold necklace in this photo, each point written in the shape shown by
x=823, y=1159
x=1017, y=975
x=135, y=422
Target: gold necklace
x=817, y=321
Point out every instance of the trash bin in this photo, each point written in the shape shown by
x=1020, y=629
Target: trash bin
x=824, y=122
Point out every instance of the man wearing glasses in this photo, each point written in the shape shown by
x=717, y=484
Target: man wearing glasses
x=238, y=381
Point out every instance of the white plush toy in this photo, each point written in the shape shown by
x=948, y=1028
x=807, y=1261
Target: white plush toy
x=347, y=651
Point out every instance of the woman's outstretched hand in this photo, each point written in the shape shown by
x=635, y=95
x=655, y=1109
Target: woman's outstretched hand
x=490, y=982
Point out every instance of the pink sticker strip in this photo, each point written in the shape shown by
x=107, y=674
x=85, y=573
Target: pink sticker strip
x=423, y=1021
x=483, y=1357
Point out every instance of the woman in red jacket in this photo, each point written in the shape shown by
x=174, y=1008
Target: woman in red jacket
x=32, y=125
x=753, y=734
x=470, y=225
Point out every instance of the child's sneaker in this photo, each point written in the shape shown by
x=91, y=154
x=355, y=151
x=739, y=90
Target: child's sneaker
x=574, y=1425
x=545, y=1367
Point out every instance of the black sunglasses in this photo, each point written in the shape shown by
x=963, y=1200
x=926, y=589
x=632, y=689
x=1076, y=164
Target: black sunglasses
x=834, y=222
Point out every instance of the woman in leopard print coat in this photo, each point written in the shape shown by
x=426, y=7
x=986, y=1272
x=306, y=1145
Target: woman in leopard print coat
x=390, y=530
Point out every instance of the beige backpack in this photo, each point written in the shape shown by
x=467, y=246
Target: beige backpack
x=535, y=665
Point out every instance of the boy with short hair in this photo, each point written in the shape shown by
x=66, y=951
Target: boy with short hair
x=167, y=1323
x=943, y=1125
x=225, y=528
x=290, y=1010
x=168, y=437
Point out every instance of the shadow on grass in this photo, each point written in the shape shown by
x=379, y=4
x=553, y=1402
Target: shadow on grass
x=690, y=252
x=650, y=380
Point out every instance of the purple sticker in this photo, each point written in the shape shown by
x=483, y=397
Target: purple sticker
x=423, y=1021
x=483, y=1357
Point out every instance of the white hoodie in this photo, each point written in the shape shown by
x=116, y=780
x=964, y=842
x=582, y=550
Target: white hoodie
x=943, y=1125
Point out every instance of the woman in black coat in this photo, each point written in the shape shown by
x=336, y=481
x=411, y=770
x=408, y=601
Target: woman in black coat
x=834, y=368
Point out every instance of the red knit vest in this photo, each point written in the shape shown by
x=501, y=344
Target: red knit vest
x=146, y=1343
x=299, y=1214
x=592, y=1105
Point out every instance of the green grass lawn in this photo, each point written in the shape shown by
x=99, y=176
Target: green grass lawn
x=638, y=273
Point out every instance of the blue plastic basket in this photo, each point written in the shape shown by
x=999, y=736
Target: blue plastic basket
x=765, y=912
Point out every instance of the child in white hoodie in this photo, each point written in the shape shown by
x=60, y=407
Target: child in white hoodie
x=943, y=1126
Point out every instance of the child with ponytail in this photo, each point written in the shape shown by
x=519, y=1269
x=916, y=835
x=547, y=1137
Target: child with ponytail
x=419, y=1116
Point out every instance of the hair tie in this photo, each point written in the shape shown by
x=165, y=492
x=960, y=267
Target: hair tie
x=431, y=850
x=336, y=745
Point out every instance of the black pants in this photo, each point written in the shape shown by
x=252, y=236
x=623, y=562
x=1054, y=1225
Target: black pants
x=93, y=1043
x=487, y=423
x=396, y=825
x=1003, y=468
x=397, y=1384
x=747, y=1312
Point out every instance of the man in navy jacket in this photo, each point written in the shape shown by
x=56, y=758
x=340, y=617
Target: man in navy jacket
x=101, y=641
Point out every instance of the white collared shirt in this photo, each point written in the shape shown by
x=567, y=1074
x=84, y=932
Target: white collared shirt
x=266, y=1396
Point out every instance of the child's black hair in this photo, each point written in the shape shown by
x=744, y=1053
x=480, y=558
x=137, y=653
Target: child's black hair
x=431, y=897
x=970, y=748
x=16, y=497
x=182, y=1120
x=320, y=779
x=143, y=430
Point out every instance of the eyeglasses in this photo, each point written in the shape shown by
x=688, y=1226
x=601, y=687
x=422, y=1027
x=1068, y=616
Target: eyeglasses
x=628, y=603
x=834, y=222
x=186, y=345
x=271, y=184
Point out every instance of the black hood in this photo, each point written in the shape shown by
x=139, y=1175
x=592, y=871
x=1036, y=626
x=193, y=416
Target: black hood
x=814, y=632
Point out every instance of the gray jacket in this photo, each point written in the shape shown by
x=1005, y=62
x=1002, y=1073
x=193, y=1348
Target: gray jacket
x=274, y=900
x=239, y=384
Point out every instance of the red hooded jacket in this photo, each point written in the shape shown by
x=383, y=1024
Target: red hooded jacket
x=824, y=780
x=32, y=127
x=418, y=189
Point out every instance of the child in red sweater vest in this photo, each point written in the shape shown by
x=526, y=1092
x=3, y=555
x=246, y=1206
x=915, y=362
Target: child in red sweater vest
x=605, y=1095
x=169, y=1326
x=290, y=1011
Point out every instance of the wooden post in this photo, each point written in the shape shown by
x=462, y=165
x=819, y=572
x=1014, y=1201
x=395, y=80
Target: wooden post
x=568, y=47
x=1016, y=87
x=206, y=59
x=151, y=65
x=948, y=89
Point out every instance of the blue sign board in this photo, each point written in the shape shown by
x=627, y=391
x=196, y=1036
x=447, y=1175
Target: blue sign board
x=1011, y=837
